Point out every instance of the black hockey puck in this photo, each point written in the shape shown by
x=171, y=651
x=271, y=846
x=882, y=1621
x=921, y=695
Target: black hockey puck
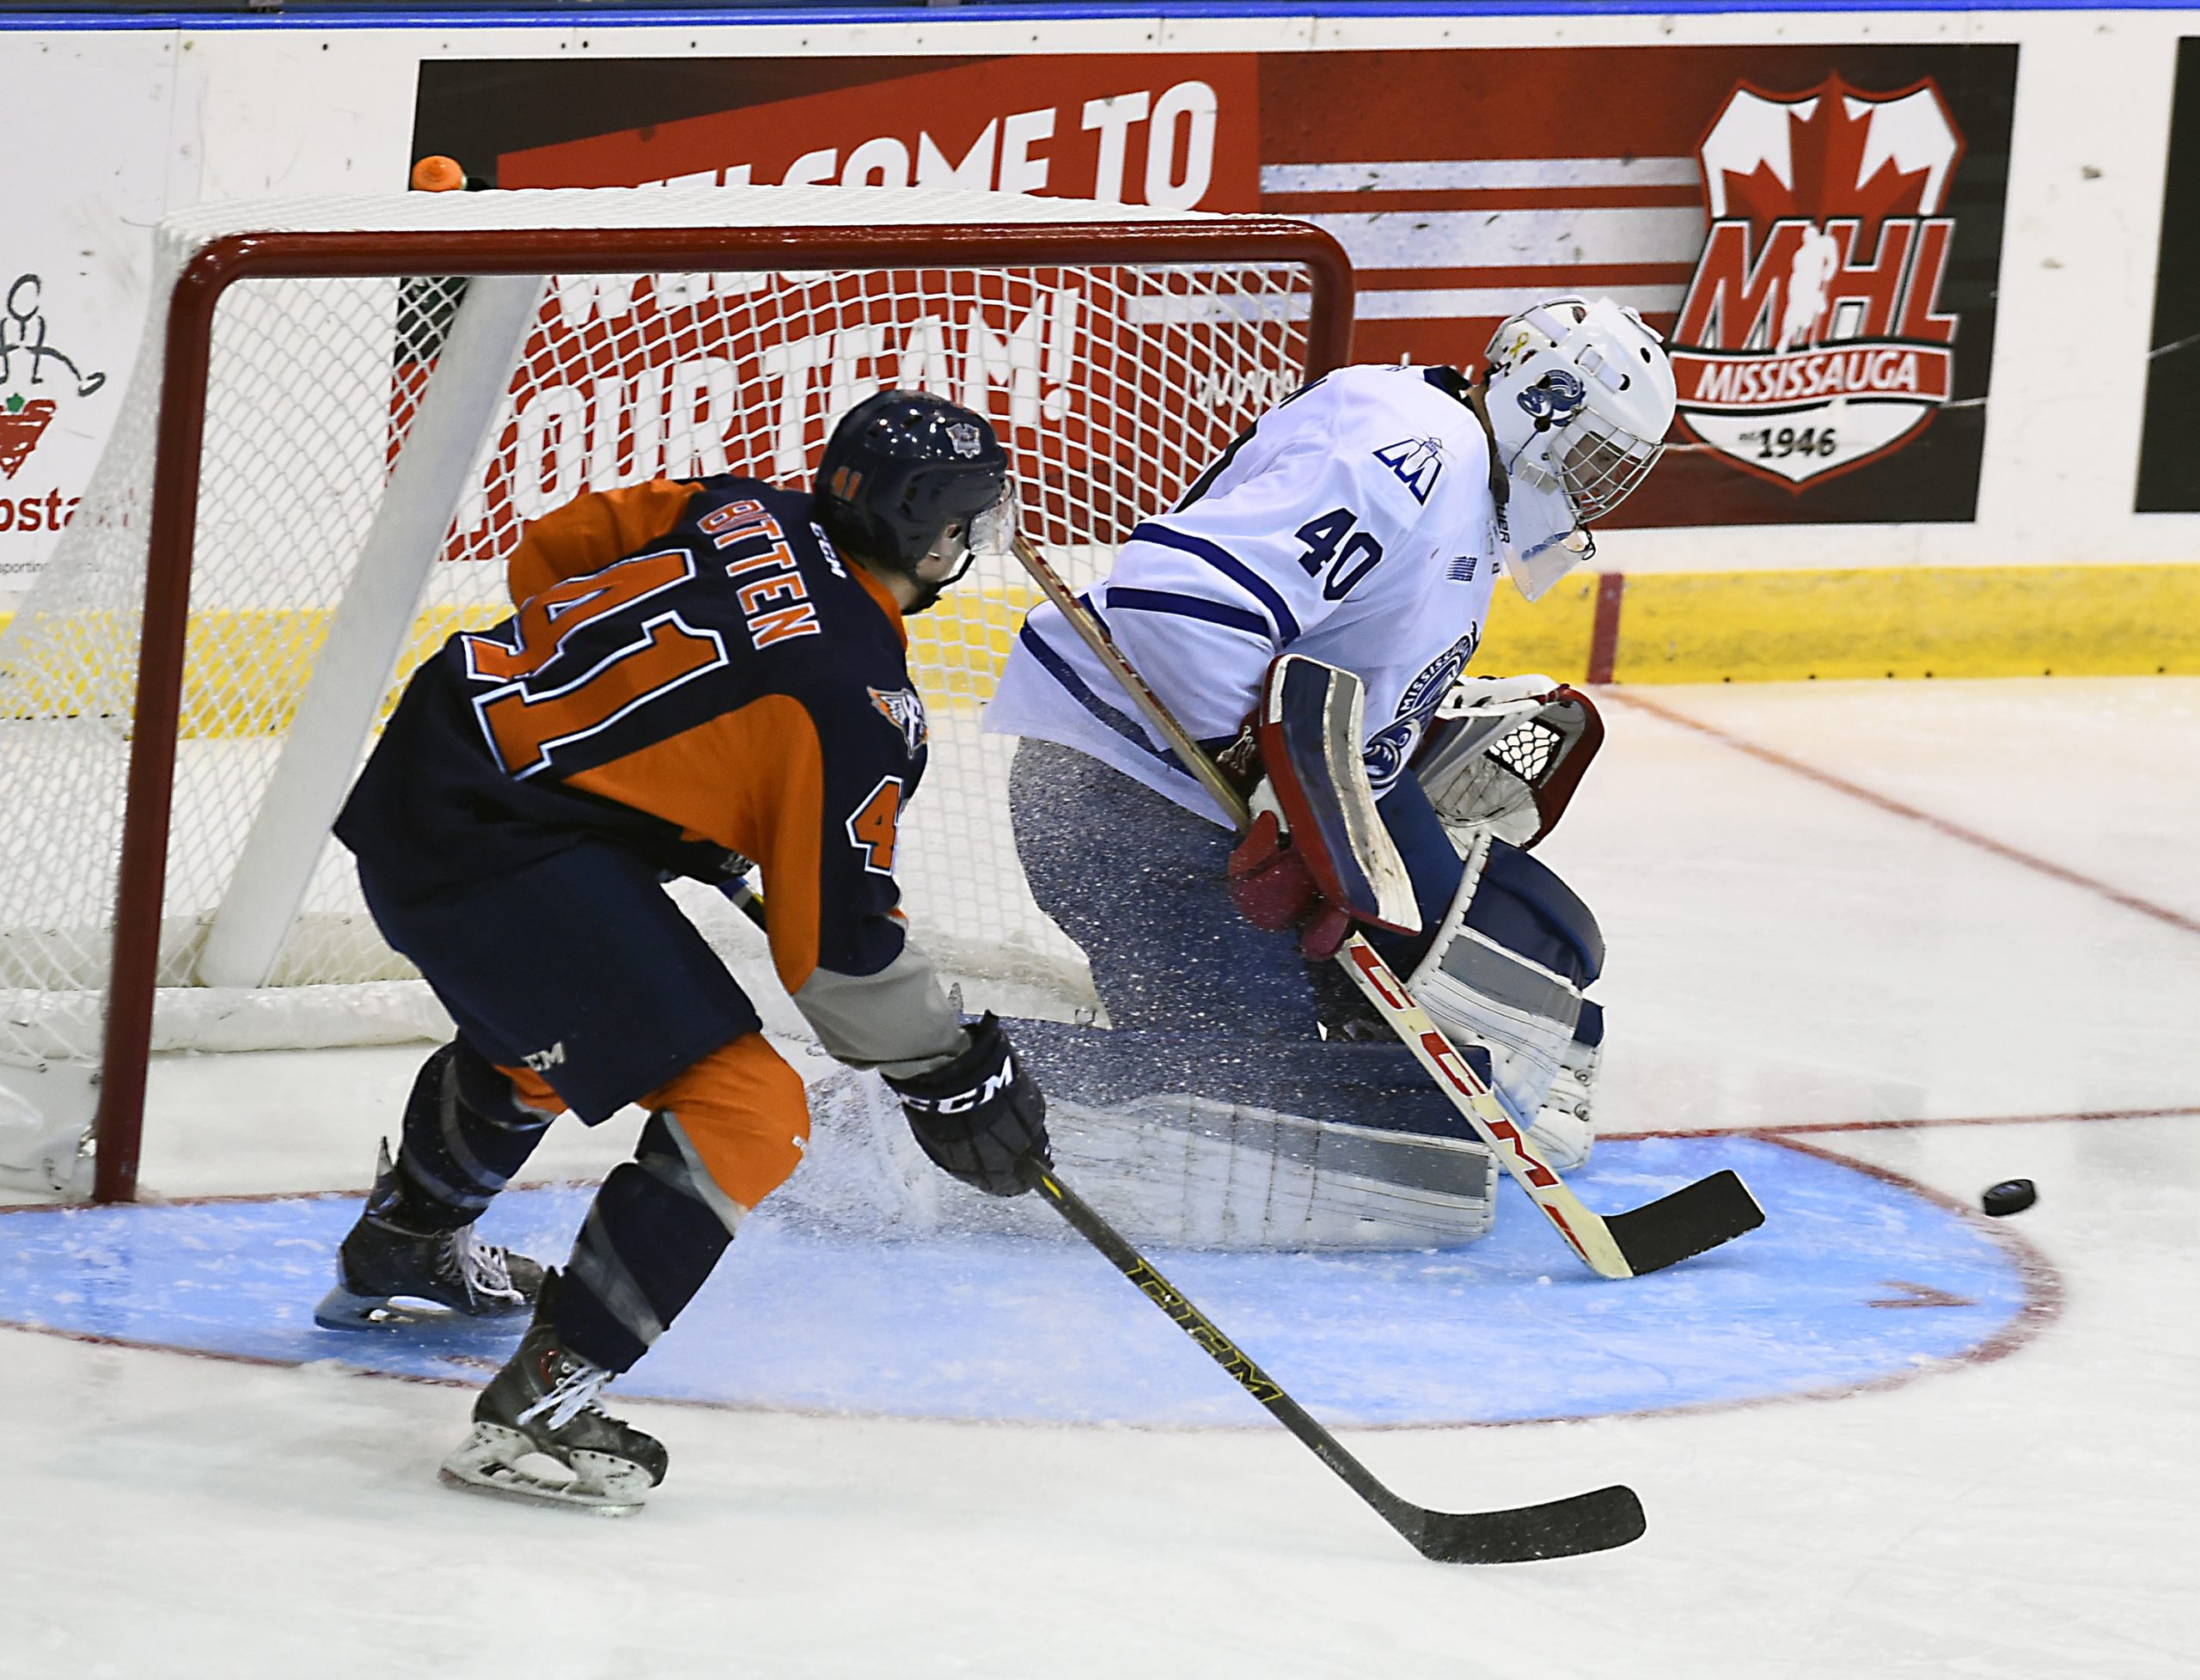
x=2012, y=1196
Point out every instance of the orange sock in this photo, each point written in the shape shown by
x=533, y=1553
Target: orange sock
x=532, y=1088
x=744, y=1111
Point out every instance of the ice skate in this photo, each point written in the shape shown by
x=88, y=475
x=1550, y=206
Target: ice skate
x=1566, y=1126
x=382, y=1262
x=542, y=1406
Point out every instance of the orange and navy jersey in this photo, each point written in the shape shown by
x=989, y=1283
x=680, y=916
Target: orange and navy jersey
x=693, y=672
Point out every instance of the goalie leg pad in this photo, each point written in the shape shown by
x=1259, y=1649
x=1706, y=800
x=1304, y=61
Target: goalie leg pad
x=1211, y=1141
x=1192, y=1172
x=1566, y=1126
x=1508, y=967
x=1524, y=906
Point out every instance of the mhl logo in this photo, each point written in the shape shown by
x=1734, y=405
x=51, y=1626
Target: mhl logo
x=1810, y=341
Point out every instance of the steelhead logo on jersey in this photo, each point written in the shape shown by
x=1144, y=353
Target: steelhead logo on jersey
x=905, y=709
x=1809, y=341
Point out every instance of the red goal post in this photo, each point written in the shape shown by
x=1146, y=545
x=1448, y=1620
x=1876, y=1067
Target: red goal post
x=1134, y=458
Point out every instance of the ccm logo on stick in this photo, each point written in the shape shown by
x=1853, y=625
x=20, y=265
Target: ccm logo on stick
x=1364, y=959
x=1440, y=1051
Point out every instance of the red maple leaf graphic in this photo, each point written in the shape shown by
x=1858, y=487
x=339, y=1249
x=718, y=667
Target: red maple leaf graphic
x=1827, y=153
x=20, y=432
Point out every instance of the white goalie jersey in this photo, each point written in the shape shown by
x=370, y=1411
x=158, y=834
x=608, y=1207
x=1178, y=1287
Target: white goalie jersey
x=1354, y=524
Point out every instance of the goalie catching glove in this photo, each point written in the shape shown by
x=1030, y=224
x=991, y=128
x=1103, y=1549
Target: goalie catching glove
x=1504, y=755
x=980, y=1116
x=1317, y=856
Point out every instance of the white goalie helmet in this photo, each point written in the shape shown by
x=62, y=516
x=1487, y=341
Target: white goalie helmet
x=1579, y=394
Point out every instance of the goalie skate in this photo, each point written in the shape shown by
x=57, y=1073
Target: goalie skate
x=541, y=1410
x=1565, y=1128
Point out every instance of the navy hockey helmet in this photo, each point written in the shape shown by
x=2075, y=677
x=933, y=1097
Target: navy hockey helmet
x=905, y=475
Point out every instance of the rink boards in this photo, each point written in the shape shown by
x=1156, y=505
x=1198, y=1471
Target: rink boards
x=1858, y=1281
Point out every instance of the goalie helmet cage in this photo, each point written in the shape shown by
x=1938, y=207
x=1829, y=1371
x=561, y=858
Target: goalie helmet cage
x=642, y=333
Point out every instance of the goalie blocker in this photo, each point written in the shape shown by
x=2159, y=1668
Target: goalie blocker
x=1318, y=856
x=1515, y=950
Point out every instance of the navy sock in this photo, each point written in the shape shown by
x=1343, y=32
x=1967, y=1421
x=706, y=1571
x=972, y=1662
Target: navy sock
x=465, y=1133
x=651, y=1238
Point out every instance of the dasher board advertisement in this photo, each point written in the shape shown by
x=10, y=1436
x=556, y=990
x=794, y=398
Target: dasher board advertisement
x=1818, y=229
x=72, y=270
x=2169, y=449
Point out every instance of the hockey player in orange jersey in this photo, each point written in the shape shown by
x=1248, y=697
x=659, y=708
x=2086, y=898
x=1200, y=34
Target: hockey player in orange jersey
x=701, y=677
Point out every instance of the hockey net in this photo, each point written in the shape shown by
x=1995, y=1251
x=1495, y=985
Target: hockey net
x=315, y=387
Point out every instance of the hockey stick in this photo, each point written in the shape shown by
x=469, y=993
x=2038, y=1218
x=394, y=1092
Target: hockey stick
x=1694, y=1217
x=1591, y=1521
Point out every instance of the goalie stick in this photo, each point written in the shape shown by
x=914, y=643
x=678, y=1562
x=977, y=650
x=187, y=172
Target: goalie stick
x=1591, y=1521
x=1694, y=1217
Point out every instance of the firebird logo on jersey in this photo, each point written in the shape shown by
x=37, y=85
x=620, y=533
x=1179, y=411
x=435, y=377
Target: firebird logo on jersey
x=1388, y=748
x=905, y=710
x=1808, y=343
x=1418, y=461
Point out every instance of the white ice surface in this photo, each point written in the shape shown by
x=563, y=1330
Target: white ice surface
x=1782, y=954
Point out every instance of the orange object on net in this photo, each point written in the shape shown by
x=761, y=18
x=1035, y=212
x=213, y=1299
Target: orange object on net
x=438, y=175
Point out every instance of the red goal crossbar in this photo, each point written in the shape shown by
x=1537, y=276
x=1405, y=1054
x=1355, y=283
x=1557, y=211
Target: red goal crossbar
x=233, y=258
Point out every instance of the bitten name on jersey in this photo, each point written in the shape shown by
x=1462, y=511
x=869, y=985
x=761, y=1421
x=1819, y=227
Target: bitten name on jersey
x=758, y=543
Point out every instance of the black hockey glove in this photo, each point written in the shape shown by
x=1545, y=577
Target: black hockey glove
x=980, y=1115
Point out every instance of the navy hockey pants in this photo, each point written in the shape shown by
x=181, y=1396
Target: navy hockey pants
x=580, y=969
x=1139, y=883
x=578, y=966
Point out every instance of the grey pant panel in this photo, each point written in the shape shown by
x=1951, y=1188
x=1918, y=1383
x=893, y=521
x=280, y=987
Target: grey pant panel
x=687, y=1174
x=898, y=1019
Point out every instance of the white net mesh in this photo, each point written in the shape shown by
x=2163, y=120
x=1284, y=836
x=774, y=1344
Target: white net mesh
x=1113, y=386
x=1527, y=752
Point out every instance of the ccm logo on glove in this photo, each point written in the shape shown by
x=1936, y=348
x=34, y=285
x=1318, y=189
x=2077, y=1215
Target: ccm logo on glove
x=979, y=1118
x=964, y=1102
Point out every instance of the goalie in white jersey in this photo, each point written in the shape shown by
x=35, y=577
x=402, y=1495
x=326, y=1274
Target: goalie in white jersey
x=1362, y=522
